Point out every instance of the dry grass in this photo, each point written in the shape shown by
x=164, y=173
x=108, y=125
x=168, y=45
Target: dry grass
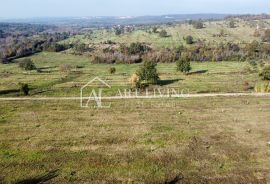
x=210, y=140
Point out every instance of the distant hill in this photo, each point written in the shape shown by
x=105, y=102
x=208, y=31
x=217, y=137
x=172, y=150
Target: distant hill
x=110, y=21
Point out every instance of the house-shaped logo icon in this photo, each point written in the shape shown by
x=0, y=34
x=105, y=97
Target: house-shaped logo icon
x=93, y=95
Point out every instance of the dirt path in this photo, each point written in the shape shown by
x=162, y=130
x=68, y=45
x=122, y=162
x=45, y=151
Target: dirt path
x=137, y=97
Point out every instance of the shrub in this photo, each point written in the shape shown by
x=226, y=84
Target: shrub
x=27, y=64
x=266, y=36
x=163, y=33
x=135, y=80
x=112, y=70
x=189, y=40
x=183, y=65
x=65, y=68
x=197, y=24
x=246, y=86
x=54, y=47
x=253, y=64
x=3, y=60
x=155, y=30
x=118, y=31
x=24, y=88
x=148, y=73
x=262, y=87
x=163, y=56
x=137, y=48
x=265, y=74
x=116, y=57
x=232, y=24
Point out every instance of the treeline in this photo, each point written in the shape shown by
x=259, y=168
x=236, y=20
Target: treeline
x=20, y=40
x=16, y=47
x=249, y=17
x=197, y=52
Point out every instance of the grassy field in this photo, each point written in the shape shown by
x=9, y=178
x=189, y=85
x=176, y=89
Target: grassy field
x=204, y=140
x=197, y=140
x=243, y=33
x=50, y=81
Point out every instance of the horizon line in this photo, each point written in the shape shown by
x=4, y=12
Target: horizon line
x=132, y=16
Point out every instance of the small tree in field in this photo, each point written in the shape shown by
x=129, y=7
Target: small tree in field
x=183, y=65
x=135, y=80
x=189, y=40
x=163, y=33
x=148, y=73
x=266, y=73
x=198, y=25
x=155, y=30
x=232, y=24
x=27, y=64
x=112, y=70
x=24, y=89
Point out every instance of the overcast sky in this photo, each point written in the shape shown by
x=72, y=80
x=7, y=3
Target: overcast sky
x=60, y=8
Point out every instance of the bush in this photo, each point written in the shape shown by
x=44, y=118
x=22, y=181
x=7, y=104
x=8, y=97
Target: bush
x=135, y=80
x=163, y=56
x=137, y=48
x=24, y=89
x=54, y=47
x=155, y=30
x=266, y=73
x=27, y=64
x=65, y=68
x=116, y=57
x=148, y=73
x=183, y=65
x=197, y=24
x=266, y=36
x=163, y=33
x=232, y=24
x=112, y=70
x=189, y=40
x=262, y=87
x=4, y=60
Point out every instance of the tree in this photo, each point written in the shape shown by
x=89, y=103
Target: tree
x=137, y=48
x=112, y=70
x=266, y=73
x=148, y=73
x=189, y=40
x=118, y=31
x=198, y=25
x=155, y=30
x=183, y=65
x=24, y=88
x=232, y=24
x=27, y=64
x=163, y=33
x=1, y=33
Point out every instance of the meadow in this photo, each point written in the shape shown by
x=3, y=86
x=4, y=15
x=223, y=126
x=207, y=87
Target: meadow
x=242, y=33
x=206, y=77
x=173, y=140
x=204, y=140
